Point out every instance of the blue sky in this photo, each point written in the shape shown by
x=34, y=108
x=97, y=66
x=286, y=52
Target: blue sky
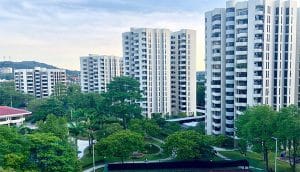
x=60, y=31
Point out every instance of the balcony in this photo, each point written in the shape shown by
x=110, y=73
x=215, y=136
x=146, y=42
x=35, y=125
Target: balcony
x=216, y=22
x=230, y=31
x=241, y=17
x=240, y=26
x=240, y=95
x=216, y=116
x=240, y=104
x=215, y=86
x=241, y=78
x=241, y=61
x=216, y=39
x=240, y=87
x=241, y=43
x=216, y=101
x=229, y=106
x=240, y=70
x=229, y=121
x=231, y=130
x=216, y=109
x=230, y=48
x=241, y=52
x=216, y=132
x=241, y=35
x=216, y=124
x=216, y=78
x=229, y=89
x=216, y=94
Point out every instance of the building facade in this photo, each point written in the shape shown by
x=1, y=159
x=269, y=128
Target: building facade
x=39, y=82
x=163, y=63
x=183, y=72
x=250, y=59
x=97, y=71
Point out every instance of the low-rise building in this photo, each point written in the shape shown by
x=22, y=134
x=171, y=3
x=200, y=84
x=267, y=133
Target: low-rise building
x=12, y=116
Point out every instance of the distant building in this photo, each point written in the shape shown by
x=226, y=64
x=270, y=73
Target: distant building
x=12, y=116
x=96, y=71
x=164, y=64
x=6, y=70
x=39, y=82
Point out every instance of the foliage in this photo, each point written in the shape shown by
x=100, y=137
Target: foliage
x=50, y=153
x=55, y=125
x=256, y=126
x=120, y=144
x=145, y=127
x=108, y=129
x=9, y=96
x=13, y=145
x=188, y=145
x=288, y=132
x=44, y=107
x=169, y=128
x=222, y=141
x=123, y=94
x=38, y=151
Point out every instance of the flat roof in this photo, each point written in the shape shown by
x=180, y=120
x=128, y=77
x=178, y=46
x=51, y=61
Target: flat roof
x=10, y=111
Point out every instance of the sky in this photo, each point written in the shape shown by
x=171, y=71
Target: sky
x=58, y=32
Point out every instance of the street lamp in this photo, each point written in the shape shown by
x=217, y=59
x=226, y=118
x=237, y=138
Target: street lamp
x=276, y=140
x=93, y=144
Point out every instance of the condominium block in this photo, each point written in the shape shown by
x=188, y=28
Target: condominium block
x=183, y=72
x=39, y=82
x=163, y=63
x=97, y=71
x=250, y=59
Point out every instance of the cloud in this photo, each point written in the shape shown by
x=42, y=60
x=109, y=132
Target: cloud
x=59, y=31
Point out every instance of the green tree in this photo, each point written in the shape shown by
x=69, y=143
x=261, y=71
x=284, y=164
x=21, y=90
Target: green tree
x=108, y=129
x=41, y=108
x=256, y=126
x=120, y=144
x=15, y=160
x=10, y=97
x=13, y=148
x=76, y=129
x=123, y=94
x=145, y=127
x=188, y=145
x=55, y=125
x=288, y=132
x=50, y=153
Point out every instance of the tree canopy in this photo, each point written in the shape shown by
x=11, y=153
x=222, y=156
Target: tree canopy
x=256, y=126
x=188, y=145
x=120, y=144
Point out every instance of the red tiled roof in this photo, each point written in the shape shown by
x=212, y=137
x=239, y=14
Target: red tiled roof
x=5, y=110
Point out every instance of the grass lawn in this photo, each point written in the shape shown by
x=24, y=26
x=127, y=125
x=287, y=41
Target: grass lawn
x=256, y=160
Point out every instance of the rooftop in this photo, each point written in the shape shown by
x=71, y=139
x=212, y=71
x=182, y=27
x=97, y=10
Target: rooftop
x=7, y=111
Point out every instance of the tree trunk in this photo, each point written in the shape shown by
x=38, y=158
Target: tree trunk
x=294, y=155
x=266, y=158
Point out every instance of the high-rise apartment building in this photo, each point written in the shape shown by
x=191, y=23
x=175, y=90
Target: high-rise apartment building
x=39, y=82
x=97, y=71
x=250, y=59
x=183, y=72
x=164, y=64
